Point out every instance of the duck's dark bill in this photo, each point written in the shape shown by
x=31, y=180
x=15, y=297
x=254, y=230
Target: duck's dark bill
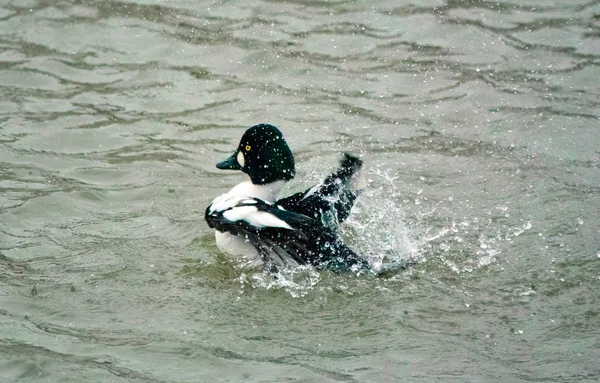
x=230, y=163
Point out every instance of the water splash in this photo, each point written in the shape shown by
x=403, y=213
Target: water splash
x=377, y=227
x=471, y=243
x=392, y=236
x=297, y=281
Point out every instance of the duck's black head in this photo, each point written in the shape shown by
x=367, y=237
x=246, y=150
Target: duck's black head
x=263, y=154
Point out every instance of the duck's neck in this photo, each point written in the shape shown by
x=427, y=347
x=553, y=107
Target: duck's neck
x=267, y=192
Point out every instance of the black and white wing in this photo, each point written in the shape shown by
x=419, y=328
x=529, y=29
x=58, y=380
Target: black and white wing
x=278, y=234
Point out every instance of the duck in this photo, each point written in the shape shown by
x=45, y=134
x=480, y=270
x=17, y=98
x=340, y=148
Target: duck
x=254, y=226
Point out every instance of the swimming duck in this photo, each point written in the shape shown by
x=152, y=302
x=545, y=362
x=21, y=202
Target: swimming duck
x=303, y=228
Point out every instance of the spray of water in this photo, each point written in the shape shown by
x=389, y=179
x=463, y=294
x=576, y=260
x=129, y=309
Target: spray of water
x=297, y=281
x=393, y=243
x=376, y=230
x=377, y=226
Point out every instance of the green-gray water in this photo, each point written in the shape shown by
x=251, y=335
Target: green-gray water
x=479, y=126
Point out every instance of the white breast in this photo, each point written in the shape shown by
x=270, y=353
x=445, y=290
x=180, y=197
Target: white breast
x=237, y=245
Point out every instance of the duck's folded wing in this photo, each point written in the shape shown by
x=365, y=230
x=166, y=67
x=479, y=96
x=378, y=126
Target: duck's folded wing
x=276, y=233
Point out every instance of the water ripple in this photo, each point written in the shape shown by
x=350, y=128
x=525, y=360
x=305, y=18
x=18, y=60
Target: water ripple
x=477, y=121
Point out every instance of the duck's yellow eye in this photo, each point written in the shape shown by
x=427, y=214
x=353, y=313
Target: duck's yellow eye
x=248, y=147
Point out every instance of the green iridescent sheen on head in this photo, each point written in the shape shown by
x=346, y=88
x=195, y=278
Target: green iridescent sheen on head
x=266, y=156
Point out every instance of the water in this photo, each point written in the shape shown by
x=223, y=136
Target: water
x=478, y=123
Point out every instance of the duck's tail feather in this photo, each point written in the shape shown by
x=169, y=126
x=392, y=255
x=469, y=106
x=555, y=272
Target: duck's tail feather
x=349, y=165
x=348, y=172
x=345, y=185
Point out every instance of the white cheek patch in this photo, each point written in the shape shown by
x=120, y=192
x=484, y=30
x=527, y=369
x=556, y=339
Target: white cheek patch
x=240, y=159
